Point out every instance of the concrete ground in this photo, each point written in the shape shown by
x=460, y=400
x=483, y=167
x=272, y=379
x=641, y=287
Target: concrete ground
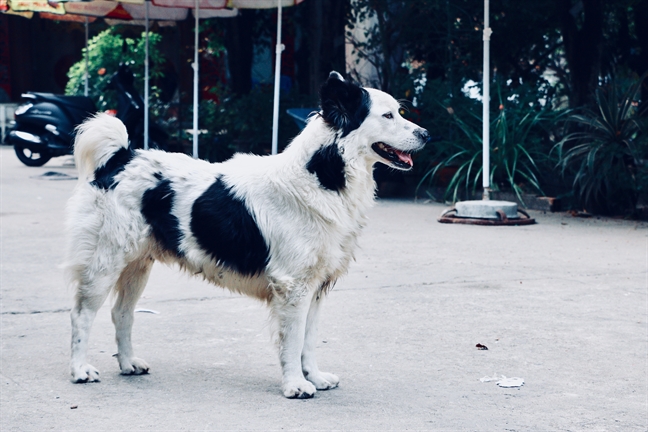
x=562, y=304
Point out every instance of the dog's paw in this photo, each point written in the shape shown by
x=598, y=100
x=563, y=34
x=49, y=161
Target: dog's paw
x=133, y=366
x=299, y=389
x=84, y=373
x=323, y=380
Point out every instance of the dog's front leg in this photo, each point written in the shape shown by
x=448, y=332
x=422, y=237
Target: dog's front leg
x=321, y=380
x=290, y=312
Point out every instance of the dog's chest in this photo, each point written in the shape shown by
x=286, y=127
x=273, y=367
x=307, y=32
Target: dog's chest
x=334, y=242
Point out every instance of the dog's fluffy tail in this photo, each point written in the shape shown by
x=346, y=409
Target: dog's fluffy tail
x=97, y=139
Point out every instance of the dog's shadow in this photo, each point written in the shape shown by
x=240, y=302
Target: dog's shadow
x=211, y=381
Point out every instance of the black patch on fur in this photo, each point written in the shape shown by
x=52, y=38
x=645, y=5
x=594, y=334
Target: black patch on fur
x=105, y=175
x=327, y=164
x=156, y=209
x=344, y=104
x=224, y=228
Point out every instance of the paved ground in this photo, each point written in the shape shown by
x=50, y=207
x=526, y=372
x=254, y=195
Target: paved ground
x=562, y=304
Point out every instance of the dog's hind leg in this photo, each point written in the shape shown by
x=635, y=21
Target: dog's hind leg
x=291, y=312
x=130, y=286
x=321, y=380
x=89, y=298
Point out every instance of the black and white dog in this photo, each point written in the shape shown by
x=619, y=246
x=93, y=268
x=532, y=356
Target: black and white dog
x=279, y=228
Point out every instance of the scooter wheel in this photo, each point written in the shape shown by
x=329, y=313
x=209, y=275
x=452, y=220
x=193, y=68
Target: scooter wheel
x=31, y=158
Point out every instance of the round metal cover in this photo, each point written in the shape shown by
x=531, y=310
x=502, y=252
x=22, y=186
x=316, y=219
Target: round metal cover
x=502, y=219
x=486, y=209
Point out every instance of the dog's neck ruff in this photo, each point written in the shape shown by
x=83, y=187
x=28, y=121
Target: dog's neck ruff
x=333, y=161
x=328, y=165
x=342, y=174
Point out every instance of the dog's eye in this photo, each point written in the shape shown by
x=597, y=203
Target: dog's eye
x=388, y=116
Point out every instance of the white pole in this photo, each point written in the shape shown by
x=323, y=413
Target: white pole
x=486, y=101
x=3, y=121
x=85, y=76
x=146, y=81
x=195, y=85
x=275, y=112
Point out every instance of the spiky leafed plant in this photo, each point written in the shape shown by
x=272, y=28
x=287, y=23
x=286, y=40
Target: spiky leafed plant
x=607, y=151
x=517, y=135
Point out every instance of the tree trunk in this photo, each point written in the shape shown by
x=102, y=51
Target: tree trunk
x=641, y=29
x=240, y=51
x=325, y=47
x=583, y=47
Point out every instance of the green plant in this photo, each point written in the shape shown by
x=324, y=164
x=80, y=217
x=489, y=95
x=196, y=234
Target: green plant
x=607, y=152
x=105, y=52
x=518, y=135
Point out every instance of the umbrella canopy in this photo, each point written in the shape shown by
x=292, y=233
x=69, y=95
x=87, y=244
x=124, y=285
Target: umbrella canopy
x=261, y=4
x=192, y=4
x=35, y=6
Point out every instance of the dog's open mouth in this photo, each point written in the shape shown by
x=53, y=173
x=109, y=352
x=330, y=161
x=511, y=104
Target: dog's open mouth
x=399, y=158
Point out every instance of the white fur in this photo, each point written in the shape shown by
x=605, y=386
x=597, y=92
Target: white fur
x=311, y=232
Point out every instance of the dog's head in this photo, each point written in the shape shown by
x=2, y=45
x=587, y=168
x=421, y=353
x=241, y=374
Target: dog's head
x=371, y=117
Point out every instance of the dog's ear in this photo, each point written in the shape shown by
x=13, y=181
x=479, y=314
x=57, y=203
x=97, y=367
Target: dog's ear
x=336, y=75
x=344, y=104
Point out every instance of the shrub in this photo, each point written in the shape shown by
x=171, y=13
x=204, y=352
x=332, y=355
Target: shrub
x=607, y=151
x=243, y=123
x=105, y=52
x=520, y=133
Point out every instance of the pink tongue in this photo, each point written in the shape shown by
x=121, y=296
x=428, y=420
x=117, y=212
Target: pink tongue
x=404, y=157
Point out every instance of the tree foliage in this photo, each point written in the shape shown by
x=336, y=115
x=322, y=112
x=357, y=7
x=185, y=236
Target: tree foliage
x=553, y=54
x=570, y=42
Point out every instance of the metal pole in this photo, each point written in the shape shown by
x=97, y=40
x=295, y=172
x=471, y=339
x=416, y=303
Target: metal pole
x=85, y=76
x=486, y=101
x=195, y=84
x=3, y=122
x=146, y=81
x=275, y=112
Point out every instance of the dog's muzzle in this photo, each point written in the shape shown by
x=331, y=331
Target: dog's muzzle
x=399, y=158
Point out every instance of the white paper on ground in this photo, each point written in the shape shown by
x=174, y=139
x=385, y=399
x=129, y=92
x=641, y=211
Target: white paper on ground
x=503, y=381
x=511, y=382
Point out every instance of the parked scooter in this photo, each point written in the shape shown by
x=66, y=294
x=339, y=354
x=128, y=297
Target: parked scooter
x=45, y=123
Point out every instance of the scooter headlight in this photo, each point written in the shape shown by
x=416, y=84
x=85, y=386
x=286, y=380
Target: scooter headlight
x=22, y=109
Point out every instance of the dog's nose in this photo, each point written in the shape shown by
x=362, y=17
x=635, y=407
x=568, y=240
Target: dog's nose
x=422, y=134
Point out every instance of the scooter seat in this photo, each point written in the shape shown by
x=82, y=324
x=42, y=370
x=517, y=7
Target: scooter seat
x=82, y=103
